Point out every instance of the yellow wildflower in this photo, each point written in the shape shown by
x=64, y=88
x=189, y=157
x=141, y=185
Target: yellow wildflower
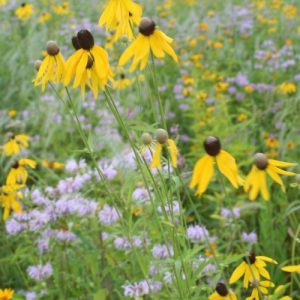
x=204, y=168
x=63, y=9
x=52, y=164
x=9, y=196
x=252, y=268
x=89, y=65
x=259, y=287
x=121, y=15
x=149, y=40
x=256, y=180
x=15, y=144
x=45, y=17
x=6, y=294
x=162, y=138
x=25, y=11
x=52, y=68
x=18, y=173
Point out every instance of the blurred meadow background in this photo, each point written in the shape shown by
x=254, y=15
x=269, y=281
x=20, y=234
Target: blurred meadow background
x=103, y=193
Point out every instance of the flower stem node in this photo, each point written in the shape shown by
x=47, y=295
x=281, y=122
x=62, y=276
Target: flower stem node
x=85, y=39
x=147, y=26
x=221, y=289
x=146, y=139
x=212, y=145
x=52, y=48
x=261, y=161
x=161, y=136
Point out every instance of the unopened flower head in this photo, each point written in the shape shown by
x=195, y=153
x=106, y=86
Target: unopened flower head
x=162, y=139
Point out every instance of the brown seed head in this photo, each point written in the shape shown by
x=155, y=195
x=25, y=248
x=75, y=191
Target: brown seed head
x=161, y=135
x=221, y=289
x=75, y=43
x=212, y=146
x=251, y=258
x=85, y=39
x=147, y=26
x=52, y=48
x=15, y=165
x=261, y=161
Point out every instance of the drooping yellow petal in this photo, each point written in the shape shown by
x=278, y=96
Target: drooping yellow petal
x=206, y=175
x=291, y=269
x=270, y=170
x=238, y=273
x=156, y=161
x=263, y=185
x=267, y=259
x=197, y=171
x=283, y=172
x=227, y=166
x=173, y=152
x=281, y=164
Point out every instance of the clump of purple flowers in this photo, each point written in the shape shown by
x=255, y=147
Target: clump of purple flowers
x=40, y=272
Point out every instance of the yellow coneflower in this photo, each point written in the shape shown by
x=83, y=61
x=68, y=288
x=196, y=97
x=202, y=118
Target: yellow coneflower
x=52, y=164
x=25, y=11
x=162, y=139
x=252, y=268
x=259, y=287
x=63, y=9
x=12, y=113
x=121, y=15
x=6, y=294
x=9, y=196
x=45, y=17
x=222, y=293
x=291, y=269
x=18, y=173
x=15, y=144
x=89, y=65
x=123, y=82
x=149, y=40
x=204, y=168
x=256, y=180
x=52, y=68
